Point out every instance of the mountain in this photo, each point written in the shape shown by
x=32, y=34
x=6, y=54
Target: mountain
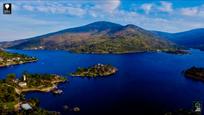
x=12, y=43
x=190, y=39
x=97, y=37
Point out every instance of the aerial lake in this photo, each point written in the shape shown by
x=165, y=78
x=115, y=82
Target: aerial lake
x=145, y=83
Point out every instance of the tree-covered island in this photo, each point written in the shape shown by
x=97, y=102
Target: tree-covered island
x=95, y=70
x=8, y=59
x=195, y=73
x=12, y=91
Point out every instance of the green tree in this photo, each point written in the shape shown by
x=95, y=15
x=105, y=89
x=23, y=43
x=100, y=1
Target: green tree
x=10, y=77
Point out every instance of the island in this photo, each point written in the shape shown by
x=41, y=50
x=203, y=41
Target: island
x=12, y=92
x=95, y=70
x=8, y=59
x=196, y=73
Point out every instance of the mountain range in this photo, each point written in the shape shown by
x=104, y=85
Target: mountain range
x=189, y=39
x=108, y=37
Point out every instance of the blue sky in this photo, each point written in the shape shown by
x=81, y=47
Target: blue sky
x=36, y=17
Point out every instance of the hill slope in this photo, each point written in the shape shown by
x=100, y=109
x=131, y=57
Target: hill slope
x=98, y=37
x=191, y=39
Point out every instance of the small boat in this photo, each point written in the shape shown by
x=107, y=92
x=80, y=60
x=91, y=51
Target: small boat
x=57, y=91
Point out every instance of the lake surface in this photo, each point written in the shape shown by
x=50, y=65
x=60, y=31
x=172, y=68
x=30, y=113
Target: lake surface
x=145, y=83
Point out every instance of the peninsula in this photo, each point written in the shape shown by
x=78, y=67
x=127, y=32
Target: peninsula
x=8, y=59
x=178, y=52
x=195, y=73
x=95, y=70
x=12, y=92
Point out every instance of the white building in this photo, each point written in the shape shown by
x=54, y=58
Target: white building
x=22, y=84
x=26, y=106
x=24, y=77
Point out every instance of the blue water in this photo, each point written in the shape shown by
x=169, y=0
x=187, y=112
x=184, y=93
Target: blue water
x=145, y=83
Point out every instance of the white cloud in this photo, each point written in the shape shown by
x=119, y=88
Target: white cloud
x=110, y=5
x=102, y=8
x=165, y=6
x=146, y=7
x=53, y=8
x=72, y=8
x=20, y=27
x=28, y=7
x=197, y=11
x=189, y=11
x=64, y=10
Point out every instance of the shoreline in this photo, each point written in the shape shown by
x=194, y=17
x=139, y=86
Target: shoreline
x=38, y=89
x=27, y=90
x=195, y=73
x=99, y=53
x=4, y=66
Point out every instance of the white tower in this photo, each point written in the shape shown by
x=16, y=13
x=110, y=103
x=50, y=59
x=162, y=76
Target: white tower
x=24, y=77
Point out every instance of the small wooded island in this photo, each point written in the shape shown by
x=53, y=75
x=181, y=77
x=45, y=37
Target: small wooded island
x=8, y=59
x=12, y=91
x=95, y=70
x=195, y=73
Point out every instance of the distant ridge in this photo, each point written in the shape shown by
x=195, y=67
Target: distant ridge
x=190, y=39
